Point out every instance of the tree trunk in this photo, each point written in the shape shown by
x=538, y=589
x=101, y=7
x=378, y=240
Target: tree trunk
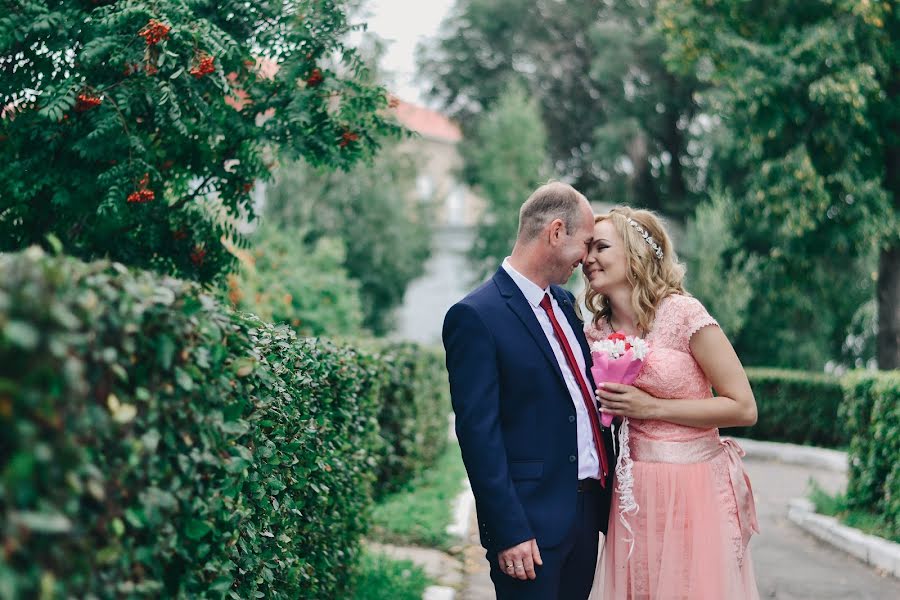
x=889, y=308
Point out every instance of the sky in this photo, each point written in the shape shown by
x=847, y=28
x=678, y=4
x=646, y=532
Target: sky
x=403, y=24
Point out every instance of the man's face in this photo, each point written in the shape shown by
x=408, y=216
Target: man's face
x=573, y=246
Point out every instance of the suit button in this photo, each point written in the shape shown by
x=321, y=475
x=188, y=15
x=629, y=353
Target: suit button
x=571, y=418
x=572, y=458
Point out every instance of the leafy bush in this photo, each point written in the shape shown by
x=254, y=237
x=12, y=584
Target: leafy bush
x=415, y=404
x=796, y=406
x=371, y=209
x=305, y=285
x=871, y=411
x=154, y=444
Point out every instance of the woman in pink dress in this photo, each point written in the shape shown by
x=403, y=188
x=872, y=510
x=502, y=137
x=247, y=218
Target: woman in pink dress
x=683, y=511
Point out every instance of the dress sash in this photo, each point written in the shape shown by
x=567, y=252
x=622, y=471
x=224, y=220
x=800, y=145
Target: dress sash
x=706, y=449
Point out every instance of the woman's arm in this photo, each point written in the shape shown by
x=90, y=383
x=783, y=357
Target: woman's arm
x=735, y=405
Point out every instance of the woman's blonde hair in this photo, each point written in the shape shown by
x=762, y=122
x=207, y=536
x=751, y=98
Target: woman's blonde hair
x=653, y=278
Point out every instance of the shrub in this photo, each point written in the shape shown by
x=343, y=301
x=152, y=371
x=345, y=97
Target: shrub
x=872, y=414
x=415, y=404
x=155, y=444
x=305, y=285
x=796, y=406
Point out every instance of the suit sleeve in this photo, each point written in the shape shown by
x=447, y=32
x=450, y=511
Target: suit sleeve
x=475, y=393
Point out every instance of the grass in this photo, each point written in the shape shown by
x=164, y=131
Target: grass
x=383, y=578
x=836, y=506
x=418, y=515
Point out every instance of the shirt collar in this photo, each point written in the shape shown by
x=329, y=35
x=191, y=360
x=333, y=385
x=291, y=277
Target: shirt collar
x=532, y=292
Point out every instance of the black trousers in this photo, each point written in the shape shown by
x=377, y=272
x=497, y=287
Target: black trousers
x=568, y=569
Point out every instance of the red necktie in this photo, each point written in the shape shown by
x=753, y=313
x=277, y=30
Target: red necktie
x=585, y=393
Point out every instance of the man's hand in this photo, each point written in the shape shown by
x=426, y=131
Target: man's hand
x=519, y=561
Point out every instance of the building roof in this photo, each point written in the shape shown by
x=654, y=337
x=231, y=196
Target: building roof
x=427, y=123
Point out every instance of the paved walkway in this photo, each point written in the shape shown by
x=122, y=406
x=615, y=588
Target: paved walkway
x=790, y=564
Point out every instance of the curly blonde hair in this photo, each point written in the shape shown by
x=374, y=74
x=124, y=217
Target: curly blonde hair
x=652, y=278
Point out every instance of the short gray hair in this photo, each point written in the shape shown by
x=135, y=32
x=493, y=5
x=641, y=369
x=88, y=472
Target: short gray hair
x=554, y=200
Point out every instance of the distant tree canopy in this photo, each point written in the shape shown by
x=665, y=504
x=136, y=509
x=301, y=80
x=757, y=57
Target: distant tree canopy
x=619, y=124
x=507, y=161
x=810, y=93
x=135, y=130
x=372, y=209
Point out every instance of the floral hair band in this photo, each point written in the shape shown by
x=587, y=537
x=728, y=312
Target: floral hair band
x=647, y=237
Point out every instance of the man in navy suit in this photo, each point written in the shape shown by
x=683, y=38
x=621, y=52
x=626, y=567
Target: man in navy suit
x=537, y=458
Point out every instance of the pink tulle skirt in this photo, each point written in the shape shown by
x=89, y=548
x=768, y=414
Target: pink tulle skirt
x=687, y=538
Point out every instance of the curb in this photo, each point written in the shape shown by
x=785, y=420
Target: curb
x=872, y=550
x=439, y=592
x=795, y=454
x=462, y=512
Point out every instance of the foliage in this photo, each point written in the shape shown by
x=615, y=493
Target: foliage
x=797, y=407
x=383, y=578
x=142, y=125
x=432, y=493
x=725, y=289
x=837, y=506
x=811, y=95
x=287, y=280
x=617, y=119
x=372, y=210
x=415, y=403
x=871, y=411
x=506, y=157
x=154, y=444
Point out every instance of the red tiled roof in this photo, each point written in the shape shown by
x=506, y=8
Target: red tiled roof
x=427, y=122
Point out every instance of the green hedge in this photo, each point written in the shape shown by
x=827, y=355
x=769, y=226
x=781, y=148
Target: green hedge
x=797, y=407
x=871, y=412
x=415, y=404
x=155, y=444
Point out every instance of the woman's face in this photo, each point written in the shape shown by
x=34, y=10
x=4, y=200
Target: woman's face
x=606, y=265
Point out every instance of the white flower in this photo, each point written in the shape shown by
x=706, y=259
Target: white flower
x=639, y=347
x=616, y=348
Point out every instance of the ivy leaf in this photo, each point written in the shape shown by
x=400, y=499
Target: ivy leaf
x=197, y=529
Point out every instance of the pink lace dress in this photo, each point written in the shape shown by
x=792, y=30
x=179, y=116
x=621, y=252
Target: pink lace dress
x=696, y=510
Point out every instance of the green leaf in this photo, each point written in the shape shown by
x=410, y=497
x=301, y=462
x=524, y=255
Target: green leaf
x=197, y=529
x=22, y=334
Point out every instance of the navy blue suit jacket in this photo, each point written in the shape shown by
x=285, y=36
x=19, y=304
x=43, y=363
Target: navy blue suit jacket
x=515, y=419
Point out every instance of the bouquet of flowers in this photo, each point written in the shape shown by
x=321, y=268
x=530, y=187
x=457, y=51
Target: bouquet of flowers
x=618, y=359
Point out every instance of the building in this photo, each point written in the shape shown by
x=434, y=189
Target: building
x=457, y=208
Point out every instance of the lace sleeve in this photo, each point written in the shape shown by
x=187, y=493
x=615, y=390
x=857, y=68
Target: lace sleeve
x=695, y=317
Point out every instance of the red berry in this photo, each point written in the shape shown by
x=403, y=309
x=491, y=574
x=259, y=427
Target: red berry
x=315, y=78
x=154, y=32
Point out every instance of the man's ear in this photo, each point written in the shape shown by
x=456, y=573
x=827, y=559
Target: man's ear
x=555, y=231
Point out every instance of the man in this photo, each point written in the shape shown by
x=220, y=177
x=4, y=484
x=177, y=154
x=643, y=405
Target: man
x=537, y=457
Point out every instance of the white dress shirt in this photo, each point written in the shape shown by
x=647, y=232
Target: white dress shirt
x=588, y=460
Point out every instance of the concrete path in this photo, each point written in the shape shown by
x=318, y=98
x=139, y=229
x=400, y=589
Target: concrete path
x=790, y=564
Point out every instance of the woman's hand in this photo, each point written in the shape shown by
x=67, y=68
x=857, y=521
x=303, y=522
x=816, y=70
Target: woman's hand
x=622, y=400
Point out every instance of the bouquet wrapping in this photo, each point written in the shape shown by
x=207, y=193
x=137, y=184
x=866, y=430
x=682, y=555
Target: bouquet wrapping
x=618, y=359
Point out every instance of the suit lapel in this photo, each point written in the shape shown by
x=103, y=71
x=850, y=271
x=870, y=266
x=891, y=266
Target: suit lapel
x=522, y=309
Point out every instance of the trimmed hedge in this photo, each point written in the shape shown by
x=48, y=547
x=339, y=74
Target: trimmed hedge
x=415, y=404
x=797, y=407
x=871, y=412
x=156, y=444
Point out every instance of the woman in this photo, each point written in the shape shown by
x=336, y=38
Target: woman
x=683, y=512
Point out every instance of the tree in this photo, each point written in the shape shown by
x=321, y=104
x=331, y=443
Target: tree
x=135, y=130
x=372, y=209
x=286, y=280
x=617, y=120
x=506, y=158
x=810, y=92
